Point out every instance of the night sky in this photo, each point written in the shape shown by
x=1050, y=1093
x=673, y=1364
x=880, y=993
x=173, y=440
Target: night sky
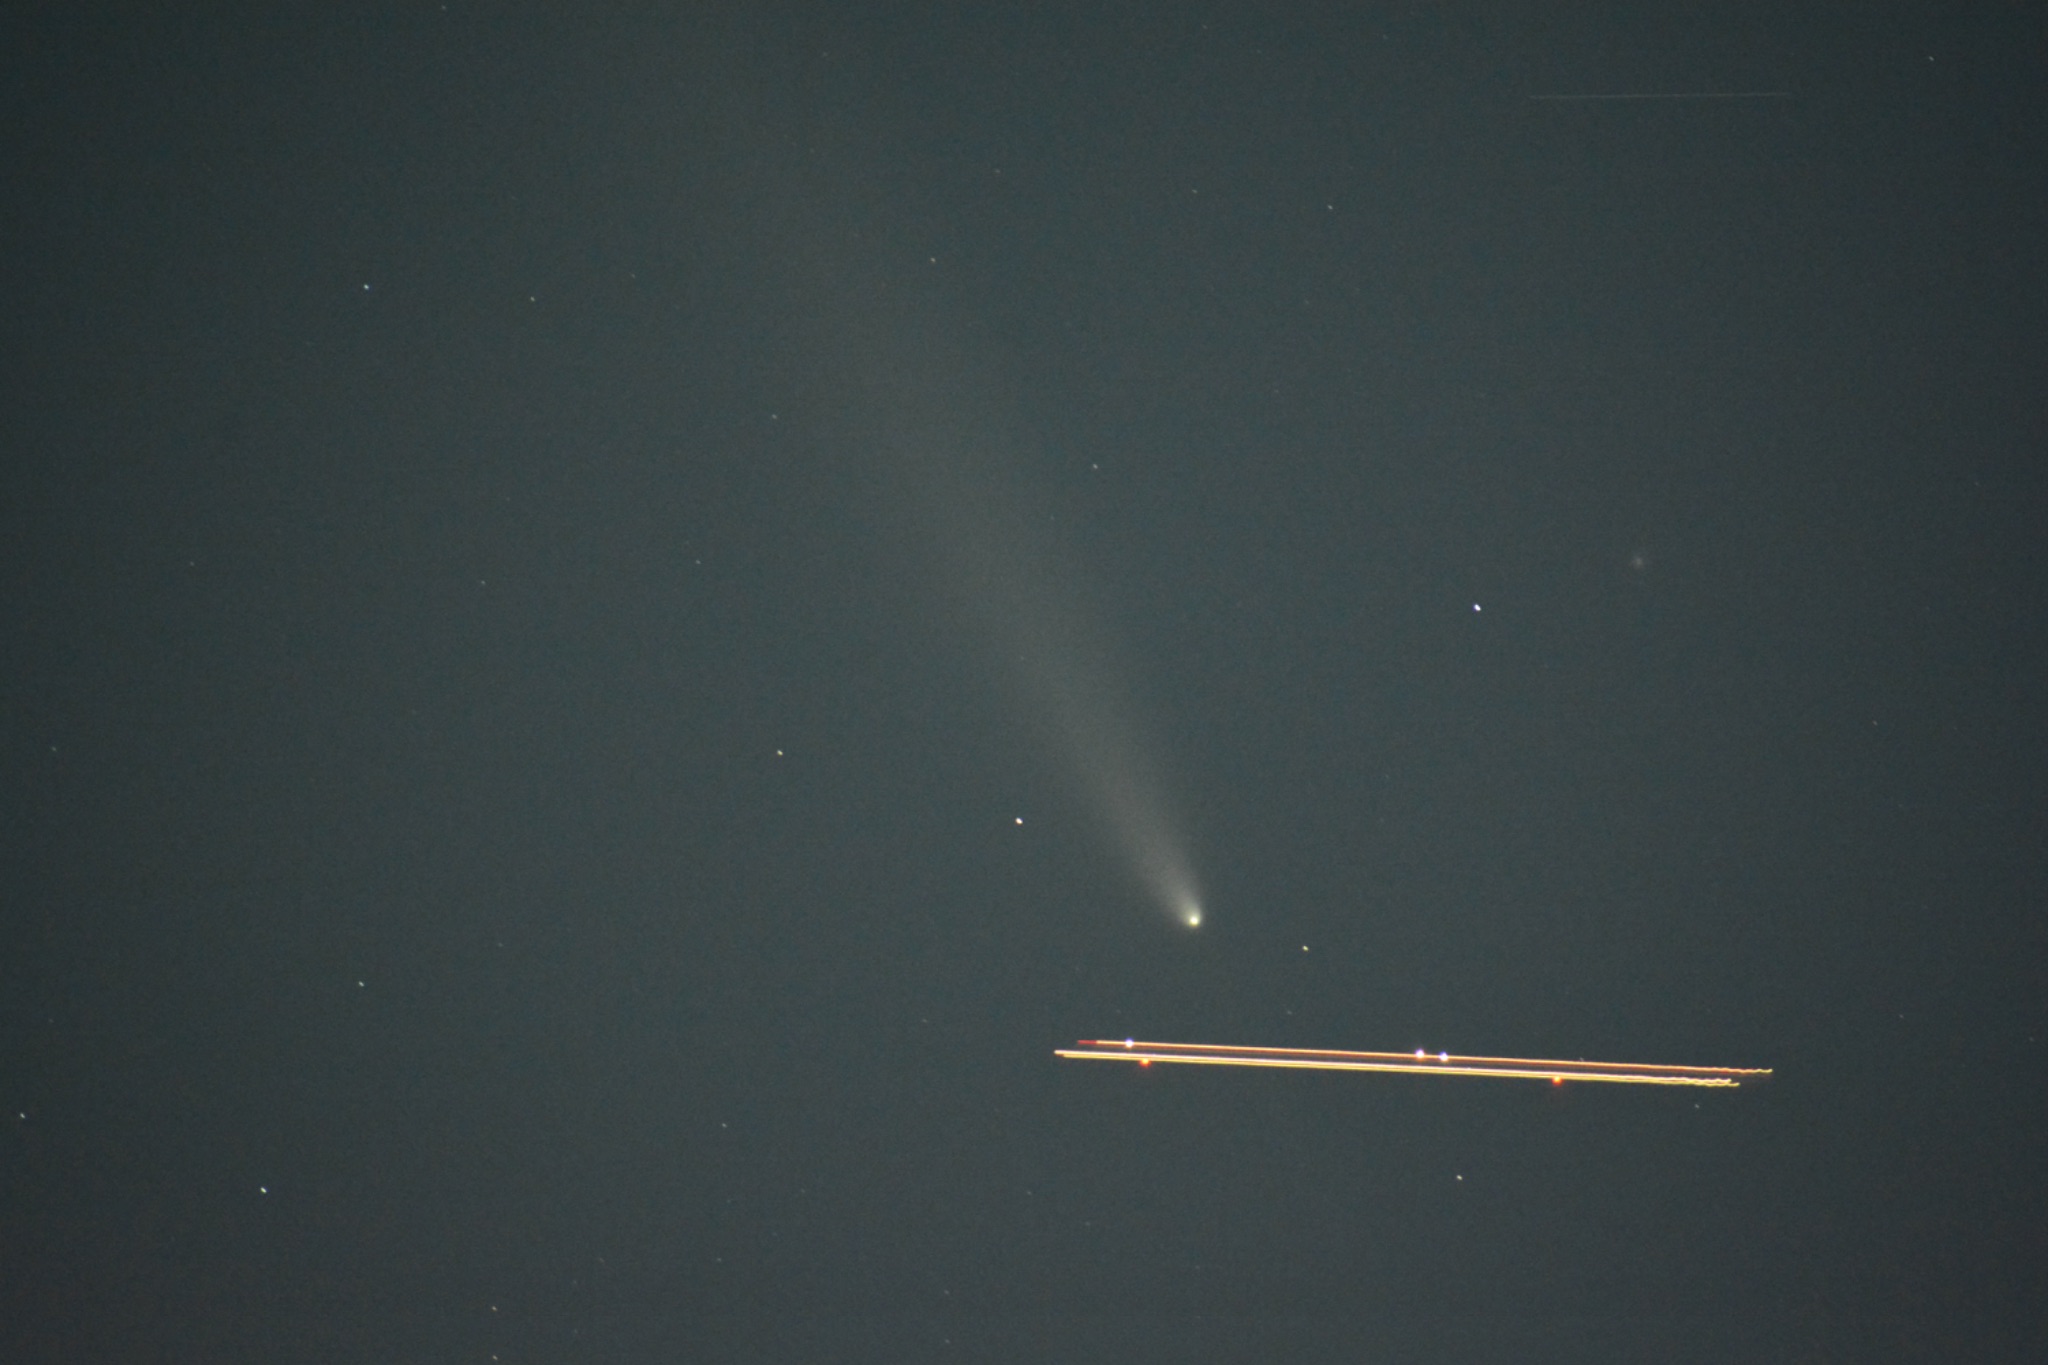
x=615, y=623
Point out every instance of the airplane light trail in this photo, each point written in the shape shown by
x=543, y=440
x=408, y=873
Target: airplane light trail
x=1674, y=95
x=1417, y=1063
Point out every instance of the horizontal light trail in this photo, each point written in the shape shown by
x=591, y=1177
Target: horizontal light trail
x=1412, y=1063
x=1674, y=95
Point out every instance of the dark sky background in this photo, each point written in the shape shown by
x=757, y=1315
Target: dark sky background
x=511, y=841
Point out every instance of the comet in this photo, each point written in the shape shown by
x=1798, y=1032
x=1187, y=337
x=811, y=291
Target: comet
x=1418, y=1063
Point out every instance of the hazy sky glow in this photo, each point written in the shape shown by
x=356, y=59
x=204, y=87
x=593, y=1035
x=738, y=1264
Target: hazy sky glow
x=614, y=620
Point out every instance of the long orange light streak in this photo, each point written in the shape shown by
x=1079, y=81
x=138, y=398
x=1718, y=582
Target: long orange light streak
x=1418, y=1063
